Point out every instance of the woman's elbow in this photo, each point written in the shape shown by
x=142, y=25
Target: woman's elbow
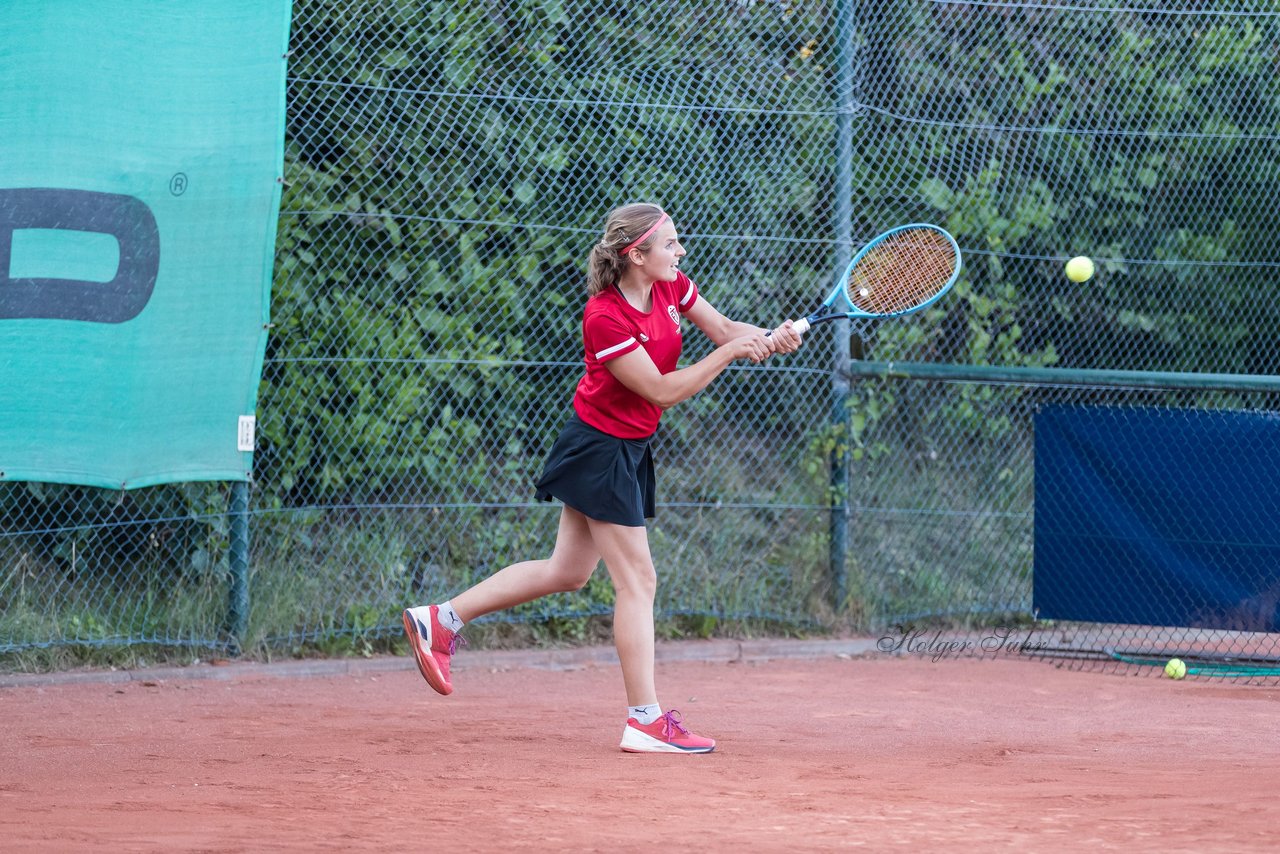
x=662, y=398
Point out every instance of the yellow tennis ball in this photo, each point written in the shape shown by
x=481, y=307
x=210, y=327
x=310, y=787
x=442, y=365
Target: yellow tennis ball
x=1176, y=668
x=1079, y=269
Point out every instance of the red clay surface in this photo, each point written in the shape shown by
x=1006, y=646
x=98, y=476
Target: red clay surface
x=881, y=754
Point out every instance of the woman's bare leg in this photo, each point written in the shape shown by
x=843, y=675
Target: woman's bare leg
x=635, y=581
x=572, y=561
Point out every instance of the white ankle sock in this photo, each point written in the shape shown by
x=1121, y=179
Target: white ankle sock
x=645, y=714
x=450, y=618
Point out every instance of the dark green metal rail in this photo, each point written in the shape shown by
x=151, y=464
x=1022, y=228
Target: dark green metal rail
x=1064, y=376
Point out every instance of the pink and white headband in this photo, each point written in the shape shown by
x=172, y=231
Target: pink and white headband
x=642, y=238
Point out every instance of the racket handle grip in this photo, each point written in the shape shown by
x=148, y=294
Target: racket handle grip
x=801, y=326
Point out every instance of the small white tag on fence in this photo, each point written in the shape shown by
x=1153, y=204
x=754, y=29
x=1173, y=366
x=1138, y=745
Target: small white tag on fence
x=248, y=424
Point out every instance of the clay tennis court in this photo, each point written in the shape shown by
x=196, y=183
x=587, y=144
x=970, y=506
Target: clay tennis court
x=818, y=751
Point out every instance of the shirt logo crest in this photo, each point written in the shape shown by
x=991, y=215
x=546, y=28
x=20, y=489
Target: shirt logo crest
x=675, y=315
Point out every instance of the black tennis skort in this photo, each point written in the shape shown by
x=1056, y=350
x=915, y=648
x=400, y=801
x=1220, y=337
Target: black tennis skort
x=601, y=476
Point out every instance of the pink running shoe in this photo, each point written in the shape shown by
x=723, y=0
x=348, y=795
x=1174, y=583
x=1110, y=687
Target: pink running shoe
x=432, y=644
x=665, y=735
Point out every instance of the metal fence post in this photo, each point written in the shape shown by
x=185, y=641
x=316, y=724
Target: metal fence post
x=839, y=498
x=238, y=595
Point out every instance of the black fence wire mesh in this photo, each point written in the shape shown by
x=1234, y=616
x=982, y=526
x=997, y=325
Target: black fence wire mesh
x=448, y=167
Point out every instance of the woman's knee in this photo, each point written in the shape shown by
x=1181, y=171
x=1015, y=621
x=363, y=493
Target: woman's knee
x=569, y=577
x=639, y=579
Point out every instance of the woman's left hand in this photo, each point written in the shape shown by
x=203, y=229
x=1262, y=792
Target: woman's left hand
x=785, y=339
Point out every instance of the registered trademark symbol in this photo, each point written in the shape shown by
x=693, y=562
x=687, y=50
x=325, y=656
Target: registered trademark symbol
x=178, y=183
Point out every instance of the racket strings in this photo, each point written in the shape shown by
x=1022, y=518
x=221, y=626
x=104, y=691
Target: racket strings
x=908, y=268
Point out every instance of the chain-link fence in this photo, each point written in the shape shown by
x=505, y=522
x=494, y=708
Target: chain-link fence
x=448, y=166
x=943, y=546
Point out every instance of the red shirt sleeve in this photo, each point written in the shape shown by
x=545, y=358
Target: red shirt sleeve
x=686, y=292
x=607, y=336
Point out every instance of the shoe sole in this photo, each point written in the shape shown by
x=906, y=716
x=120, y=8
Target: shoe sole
x=426, y=661
x=634, y=741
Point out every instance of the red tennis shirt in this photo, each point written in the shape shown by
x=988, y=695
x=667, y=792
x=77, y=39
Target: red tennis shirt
x=611, y=327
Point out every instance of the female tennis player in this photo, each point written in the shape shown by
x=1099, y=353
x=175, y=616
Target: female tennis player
x=601, y=465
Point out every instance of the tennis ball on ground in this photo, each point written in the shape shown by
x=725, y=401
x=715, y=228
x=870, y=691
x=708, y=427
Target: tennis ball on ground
x=1176, y=668
x=1079, y=269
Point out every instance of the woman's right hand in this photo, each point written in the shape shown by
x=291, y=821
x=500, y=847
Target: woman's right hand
x=755, y=347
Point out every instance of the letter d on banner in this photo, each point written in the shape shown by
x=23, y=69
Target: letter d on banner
x=125, y=218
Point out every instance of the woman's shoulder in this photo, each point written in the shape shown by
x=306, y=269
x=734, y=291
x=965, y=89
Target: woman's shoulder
x=681, y=289
x=604, y=300
x=607, y=302
x=677, y=285
x=681, y=282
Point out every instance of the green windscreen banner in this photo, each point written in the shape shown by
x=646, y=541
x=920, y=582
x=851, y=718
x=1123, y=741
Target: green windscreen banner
x=141, y=149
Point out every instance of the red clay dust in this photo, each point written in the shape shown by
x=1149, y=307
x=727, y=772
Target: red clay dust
x=817, y=753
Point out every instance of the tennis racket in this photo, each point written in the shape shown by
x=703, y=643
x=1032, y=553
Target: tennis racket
x=901, y=271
